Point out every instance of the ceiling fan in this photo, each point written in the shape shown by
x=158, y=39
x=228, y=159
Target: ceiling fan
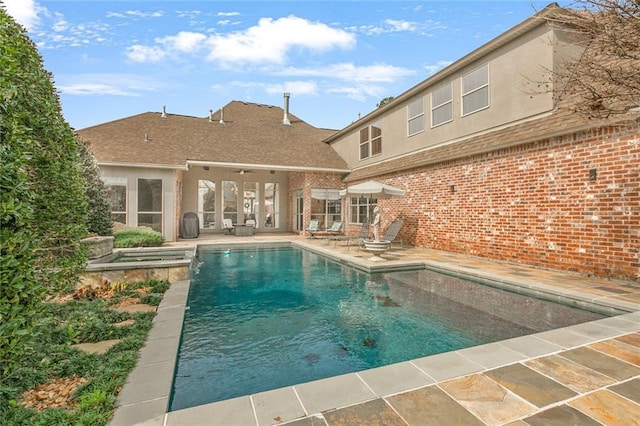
x=244, y=171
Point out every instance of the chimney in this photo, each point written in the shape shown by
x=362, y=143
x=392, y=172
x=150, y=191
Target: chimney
x=285, y=120
x=164, y=111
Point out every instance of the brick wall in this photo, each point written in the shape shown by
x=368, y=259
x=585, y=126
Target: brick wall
x=177, y=207
x=306, y=181
x=569, y=203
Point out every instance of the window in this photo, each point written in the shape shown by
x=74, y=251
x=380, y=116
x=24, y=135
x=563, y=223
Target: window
x=326, y=206
x=415, y=117
x=370, y=141
x=362, y=209
x=441, y=105
x=475, y=90
x=117, y=195
x=230, y=200
x=271, y=205
x=207, y=203
x=150, y=203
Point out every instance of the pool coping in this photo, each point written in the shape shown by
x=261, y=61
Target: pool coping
x=144, y=398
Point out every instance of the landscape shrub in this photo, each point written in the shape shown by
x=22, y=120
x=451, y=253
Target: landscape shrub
x=137, y=237
x=43, y=197
x=99, y=210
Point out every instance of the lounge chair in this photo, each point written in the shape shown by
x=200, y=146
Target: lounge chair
x=358, y=239
x=334, y=231
x=228, y=225
x=392, y=232
x=313, y=228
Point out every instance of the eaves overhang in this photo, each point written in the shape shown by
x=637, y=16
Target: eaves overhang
x=143, y=165
x=266, y=167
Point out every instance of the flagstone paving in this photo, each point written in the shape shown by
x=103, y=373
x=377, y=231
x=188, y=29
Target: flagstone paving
x=587, y=374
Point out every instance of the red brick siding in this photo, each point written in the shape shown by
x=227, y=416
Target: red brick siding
x=533, y=204
x=306, y=181
x=177, y=207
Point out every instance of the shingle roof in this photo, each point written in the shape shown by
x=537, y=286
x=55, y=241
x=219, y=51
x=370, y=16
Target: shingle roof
x=252, y=134
x=561, y=122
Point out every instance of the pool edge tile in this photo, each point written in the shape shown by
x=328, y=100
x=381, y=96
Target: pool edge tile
x=447, y=366
x=236, y=411
x=333, y=392
x=395, y=378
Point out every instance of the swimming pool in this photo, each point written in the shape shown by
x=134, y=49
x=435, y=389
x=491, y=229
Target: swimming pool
x=261, y=319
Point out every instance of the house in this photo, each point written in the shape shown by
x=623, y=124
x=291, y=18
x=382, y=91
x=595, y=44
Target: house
x=234, y=164
x=491, y=166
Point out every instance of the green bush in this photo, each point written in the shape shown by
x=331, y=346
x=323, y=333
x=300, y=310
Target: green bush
x=99, y=215
x=42, y=199
x=137, y=237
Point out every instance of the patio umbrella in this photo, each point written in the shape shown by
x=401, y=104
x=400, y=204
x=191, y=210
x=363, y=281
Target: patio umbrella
x=372, y=189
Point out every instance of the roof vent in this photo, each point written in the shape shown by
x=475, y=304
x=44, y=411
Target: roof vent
x=222, y=116
x=285, y=120
x=164, y=111
x=210, y=115
x=146, y=137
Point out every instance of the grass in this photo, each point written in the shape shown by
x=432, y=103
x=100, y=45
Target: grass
x=87, y=318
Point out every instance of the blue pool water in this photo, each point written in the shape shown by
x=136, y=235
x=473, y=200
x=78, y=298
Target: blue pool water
x=261, y=319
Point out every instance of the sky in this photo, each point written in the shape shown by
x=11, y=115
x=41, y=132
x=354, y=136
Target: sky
x=337, y=59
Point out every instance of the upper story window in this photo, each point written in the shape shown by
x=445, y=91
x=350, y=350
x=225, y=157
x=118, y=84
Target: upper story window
x=370, y=141
x=475, y=90
x=415, y=117
x=441, y=105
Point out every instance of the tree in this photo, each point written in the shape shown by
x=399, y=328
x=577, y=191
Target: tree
x=99, y=215
x=384, y=101
x=42, y=201
x=605, y=78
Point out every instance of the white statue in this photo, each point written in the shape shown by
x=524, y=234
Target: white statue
x=376, y=224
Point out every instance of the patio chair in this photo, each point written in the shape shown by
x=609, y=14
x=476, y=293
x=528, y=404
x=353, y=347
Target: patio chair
x=363, y=235
x=392, y=232
x=313, y=228
x=334, y=231
x=228, y=225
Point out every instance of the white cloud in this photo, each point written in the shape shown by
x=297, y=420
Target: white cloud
x=267, y=42
x=296, y=88
x=396, y=26
x=433, y=68
x=360, y=92
x=184, y=41
x=228, y=14
x=350, y=72
x=25, y=12
x=271, y=40
x=139, y=14
x=129, y=85
x=139, y=53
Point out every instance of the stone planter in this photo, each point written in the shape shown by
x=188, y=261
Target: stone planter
x=98, y=246
x=377, y=248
